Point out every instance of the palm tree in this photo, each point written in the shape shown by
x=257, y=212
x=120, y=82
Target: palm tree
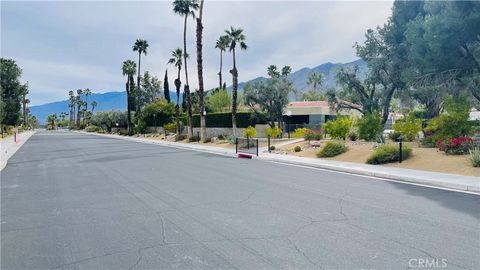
x=140, y=46
x=176, y=60
x=71, y=105
x=128, y=69
x=186, y=8
x=86, y=92
x=272, y=71
x=286, y=70
x=79, y=103
x=235, y=36
x=221, y=44
x=94, y=105
x=201, y=93
x=316, y=79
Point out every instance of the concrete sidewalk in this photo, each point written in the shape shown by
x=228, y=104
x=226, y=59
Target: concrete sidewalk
x=8, y=146
x=433, y=179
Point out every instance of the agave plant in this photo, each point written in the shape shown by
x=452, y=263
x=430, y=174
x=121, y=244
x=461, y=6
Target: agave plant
x=475, y=156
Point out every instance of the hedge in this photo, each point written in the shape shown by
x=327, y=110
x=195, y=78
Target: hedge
x=224, y=120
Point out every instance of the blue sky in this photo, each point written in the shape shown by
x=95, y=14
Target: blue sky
x=64, y=46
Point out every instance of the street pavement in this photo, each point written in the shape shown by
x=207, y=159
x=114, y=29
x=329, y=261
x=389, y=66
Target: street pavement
x=76, y=201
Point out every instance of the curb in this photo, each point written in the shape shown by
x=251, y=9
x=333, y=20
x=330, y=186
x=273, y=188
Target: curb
x=469, y=184
x=12, y=150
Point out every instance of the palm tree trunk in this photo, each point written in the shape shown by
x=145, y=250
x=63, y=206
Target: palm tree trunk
x=234, y=94
x=203, y=133
x=187, y=87
x=129, y=119
x=137, y=109
x=177, y=106
x=220, y=72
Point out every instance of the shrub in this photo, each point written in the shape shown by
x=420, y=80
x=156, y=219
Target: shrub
x=170, y=127
x=274, y=132
x=92, y=128
x=389, y=153
x=352, y=136
x=408, y=127
x=101, y=131
x=194, y=138
x=369, y=127
x=272, y=148
x=339, y=128
x=332, y=148
x=313, y=135
x=232, y=139
x=456, y=146
x=109, y=119
x=123, y=132
x=158, y=113
x=475, y=157
x=297, y=148
x=454, y=123
x=299, y=133
x=249, y=132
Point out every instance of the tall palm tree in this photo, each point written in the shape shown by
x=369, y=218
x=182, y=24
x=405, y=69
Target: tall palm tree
x=94, y=105
x=315, y=79
x=140, y=46
x=71, y=105
x=201, y=92
x=128, y=69
x=176, y=60
x=186, y=8
x=272, y=71
x=235, y=36
x=86, y=92
x=286, y=70
x=79, y=103
x=221, y=44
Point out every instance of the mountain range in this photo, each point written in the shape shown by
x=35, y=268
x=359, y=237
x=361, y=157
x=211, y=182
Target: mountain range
x=117, y=100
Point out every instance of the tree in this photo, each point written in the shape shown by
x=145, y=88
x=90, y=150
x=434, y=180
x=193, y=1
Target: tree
x=268, y=98
x=71, y=105
x=286, y=70
x=220, y=101
x=86, y=92
x=186, y=8
x=128, y=69
x=176, y=59
x=221, y=44
x=166, y=88
x=315, y=79
x=272, y=71
x=52, y=120
x=201, y=90
x=140, y=46
x=23, y=94
x=151, y=87
x=94, y=105
x=158, y=113
x=313, y=95
x=79, y=103
x=10, y=88
x=235, y=36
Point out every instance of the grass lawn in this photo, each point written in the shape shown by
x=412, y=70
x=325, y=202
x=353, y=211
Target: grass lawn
x=428, y=159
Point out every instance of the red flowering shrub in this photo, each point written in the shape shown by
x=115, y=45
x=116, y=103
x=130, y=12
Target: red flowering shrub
x=456, y=146
x=313, y=135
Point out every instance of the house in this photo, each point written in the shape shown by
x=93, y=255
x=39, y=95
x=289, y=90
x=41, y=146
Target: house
x=311, y=114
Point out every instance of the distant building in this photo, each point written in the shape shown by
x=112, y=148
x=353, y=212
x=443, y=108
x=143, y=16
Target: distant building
x=312, y=114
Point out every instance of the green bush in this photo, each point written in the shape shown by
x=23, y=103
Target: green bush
x=394, y=136
x=274, y=132
x=454, y=123
x=408, y=127
x=224, y=120
x=339, y=128
x=297, y=148
x=158, y=113
x=369, y=127
x=299, y=133
x=475, y=156
x=249, y=132
x=170, y=127
x=92, y=128
x=313, y=135
x=389, y=153
x=123, y=132
x=272, y=148
x=332, y=148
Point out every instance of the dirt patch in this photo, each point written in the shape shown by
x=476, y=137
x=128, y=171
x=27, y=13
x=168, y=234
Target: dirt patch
x=427, y=159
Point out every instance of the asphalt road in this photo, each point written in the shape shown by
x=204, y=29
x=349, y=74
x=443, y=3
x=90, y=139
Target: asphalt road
x=73, y=201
